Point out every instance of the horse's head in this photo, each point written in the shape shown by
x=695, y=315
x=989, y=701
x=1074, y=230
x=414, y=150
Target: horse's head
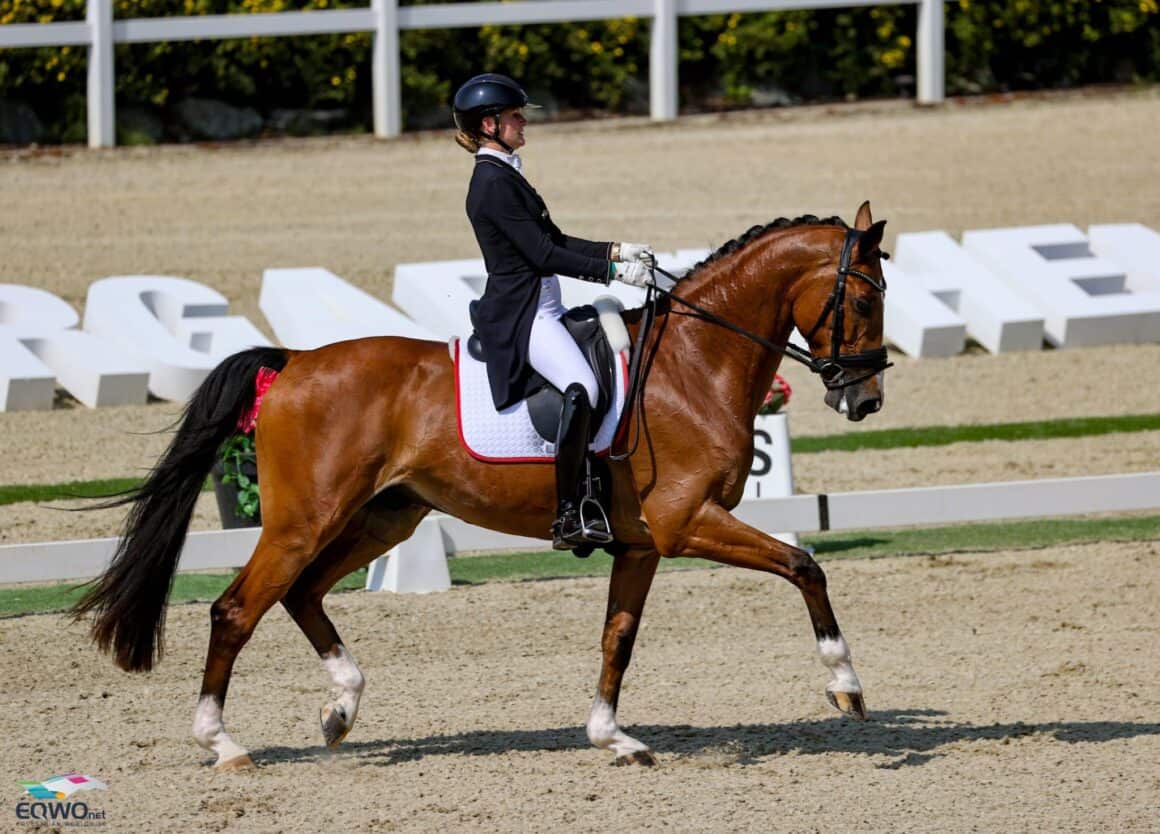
x=839, y=310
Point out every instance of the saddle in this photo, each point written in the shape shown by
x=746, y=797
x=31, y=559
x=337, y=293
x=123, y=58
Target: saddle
x=544, y=404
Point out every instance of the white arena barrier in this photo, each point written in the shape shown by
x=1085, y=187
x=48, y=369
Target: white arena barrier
x=1085, y=299
x=39, y=347
x=55, y=561
x=310, y=307
x=178, y=328
x=996, y=317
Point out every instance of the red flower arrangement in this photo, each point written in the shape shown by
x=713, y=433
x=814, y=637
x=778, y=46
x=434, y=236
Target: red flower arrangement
x=777, y=396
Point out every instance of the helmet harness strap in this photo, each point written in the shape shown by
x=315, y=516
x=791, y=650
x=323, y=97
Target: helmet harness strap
x=494, y=135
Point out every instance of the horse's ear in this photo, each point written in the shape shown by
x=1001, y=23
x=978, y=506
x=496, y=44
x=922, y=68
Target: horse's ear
x=871, y=238
x=863, y=220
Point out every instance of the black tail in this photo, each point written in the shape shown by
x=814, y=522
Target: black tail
x=128, y=600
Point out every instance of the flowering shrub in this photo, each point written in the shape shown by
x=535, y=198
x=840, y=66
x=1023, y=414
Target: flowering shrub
x=592, y=65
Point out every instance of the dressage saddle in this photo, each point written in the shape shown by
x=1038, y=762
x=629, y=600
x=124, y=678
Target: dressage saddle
x=544, y=404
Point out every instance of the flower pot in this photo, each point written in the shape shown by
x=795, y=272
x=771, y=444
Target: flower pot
x=227, y=497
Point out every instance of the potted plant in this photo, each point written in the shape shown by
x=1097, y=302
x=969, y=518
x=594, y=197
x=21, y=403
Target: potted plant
x=235, y=483
x=776, y=397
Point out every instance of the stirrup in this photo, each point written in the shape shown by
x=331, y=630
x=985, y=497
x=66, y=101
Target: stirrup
x=589, y=532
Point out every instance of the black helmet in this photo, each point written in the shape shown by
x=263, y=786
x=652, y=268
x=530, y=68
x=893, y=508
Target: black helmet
x=485, y=95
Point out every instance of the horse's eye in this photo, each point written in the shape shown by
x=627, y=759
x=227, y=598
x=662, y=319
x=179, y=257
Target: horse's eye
x=862, y=306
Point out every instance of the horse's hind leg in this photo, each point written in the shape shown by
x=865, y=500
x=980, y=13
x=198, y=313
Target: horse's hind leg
x=367, y=536
x=632, y=576
x=292, y=537
x=264, y=580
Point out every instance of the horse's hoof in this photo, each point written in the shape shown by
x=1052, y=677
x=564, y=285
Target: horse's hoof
x=644, y=758
x=242, y=762
x=334, y=726
x=850, y=703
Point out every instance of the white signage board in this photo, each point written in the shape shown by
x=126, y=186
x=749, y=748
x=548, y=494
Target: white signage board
x=178, y=328
x=1008, y=289
x=1085, y=299
x=39, y=347
x=310, y=307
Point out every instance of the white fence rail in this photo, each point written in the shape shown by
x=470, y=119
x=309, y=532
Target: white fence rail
x=54, y=561
x=385, y=19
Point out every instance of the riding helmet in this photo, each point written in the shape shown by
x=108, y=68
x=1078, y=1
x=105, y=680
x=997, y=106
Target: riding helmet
x=485, y=95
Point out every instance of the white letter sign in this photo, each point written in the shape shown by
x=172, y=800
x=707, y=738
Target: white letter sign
x=177, y=327
x=38, y=347
x=1085, y=299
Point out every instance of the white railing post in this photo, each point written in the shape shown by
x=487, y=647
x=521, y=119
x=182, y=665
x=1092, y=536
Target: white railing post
x=102, y=124
x=931, y=52
x=385, y=81
x=662, y=78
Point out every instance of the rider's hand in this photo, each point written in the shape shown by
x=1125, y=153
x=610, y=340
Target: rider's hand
x=641, y=252
x=634, y=274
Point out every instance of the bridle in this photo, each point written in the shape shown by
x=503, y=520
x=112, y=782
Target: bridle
x=832, y=369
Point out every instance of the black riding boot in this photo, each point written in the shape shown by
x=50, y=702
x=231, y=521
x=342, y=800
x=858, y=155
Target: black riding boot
x=571, y=452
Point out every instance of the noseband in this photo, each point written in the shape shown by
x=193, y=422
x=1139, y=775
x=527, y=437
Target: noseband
x=832, y=369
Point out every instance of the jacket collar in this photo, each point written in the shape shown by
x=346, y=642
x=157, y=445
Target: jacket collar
x=512, y=159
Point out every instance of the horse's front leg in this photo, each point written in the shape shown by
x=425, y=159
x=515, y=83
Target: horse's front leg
x=632, y=575
x=715, y=534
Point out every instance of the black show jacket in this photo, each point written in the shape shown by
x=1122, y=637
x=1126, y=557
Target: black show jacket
x=520, y=245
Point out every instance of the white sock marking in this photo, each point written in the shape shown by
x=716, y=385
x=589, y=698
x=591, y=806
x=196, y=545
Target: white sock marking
x=604, y=732
x=348, y=678
x=835, y=655
x=211, y=733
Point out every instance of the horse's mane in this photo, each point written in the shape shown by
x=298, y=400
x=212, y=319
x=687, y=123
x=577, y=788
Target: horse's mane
x=753, y=232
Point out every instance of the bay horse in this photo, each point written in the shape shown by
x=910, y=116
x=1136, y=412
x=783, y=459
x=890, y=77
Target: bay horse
x=356, y=442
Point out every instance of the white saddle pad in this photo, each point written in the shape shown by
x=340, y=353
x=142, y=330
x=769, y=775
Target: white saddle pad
x=508, y=436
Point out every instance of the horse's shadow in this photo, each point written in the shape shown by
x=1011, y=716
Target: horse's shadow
x=907, y=737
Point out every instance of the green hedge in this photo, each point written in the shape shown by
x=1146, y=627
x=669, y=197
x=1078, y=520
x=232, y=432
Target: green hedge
x=595, y=66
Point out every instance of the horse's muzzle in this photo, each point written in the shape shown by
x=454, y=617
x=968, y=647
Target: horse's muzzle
x=856, y=402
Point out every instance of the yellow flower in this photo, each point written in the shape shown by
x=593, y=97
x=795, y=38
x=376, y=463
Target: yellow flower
x=892, y=58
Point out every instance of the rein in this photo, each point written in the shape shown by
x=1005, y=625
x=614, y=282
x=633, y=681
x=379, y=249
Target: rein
x=830, y=368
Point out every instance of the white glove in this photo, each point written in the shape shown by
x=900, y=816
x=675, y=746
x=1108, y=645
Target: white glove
x=637, y=252
x=634, y=274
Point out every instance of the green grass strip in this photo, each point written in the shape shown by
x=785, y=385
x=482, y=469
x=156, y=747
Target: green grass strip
x=881, y=439
x=945, y=435
x=471, y=570
x=16, y=493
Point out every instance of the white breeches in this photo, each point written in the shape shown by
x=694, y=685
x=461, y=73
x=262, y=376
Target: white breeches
x=552, y=351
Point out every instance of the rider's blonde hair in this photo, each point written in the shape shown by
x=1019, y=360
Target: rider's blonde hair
x=468, y=141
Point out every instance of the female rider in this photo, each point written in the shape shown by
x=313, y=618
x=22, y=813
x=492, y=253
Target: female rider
x=518, y=318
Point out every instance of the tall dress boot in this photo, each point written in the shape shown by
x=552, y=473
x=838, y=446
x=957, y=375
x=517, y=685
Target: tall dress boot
x=571, y=451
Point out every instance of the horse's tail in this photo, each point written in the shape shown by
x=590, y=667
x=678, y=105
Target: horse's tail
x=128, y=600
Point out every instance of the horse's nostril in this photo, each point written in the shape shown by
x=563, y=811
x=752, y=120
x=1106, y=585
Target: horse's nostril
x=869, y=406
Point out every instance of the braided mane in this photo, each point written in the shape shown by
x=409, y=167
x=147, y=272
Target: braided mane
x=753, y=232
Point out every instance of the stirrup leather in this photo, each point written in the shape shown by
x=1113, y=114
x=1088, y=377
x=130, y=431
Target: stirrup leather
x=591, y=512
